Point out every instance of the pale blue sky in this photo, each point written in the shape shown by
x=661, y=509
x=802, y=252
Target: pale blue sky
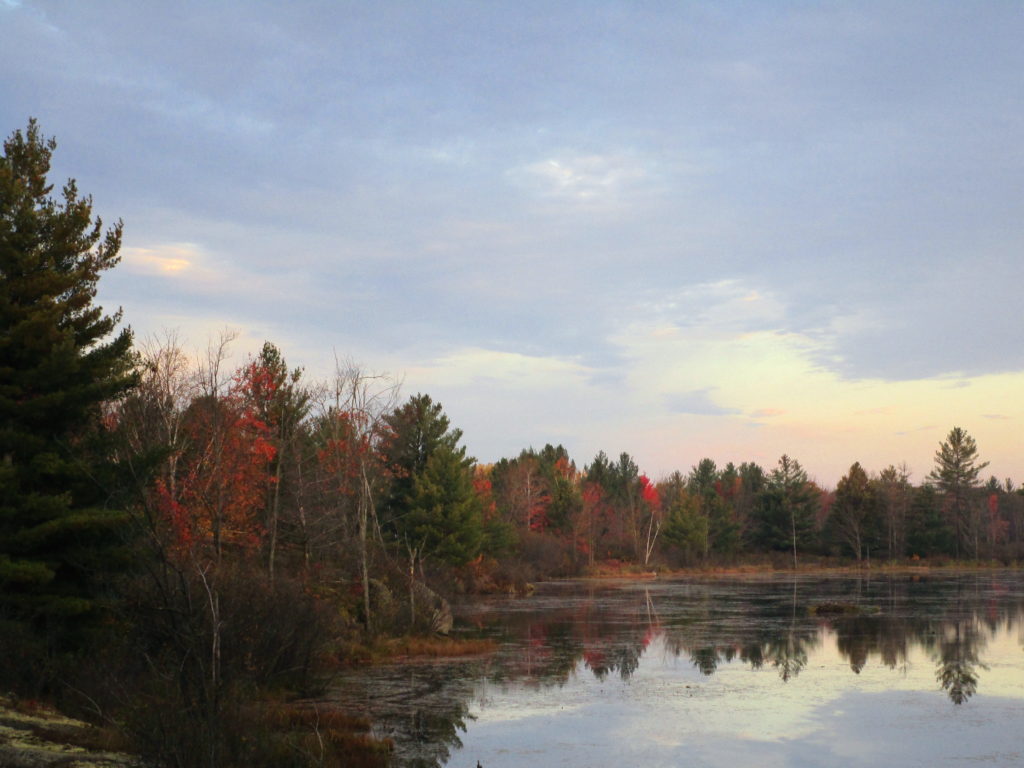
x=676, y=229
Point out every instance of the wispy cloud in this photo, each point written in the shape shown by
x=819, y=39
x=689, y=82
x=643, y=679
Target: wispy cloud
x=581, y=179
x=697, y=402
x=173, y=260
x=471, y=366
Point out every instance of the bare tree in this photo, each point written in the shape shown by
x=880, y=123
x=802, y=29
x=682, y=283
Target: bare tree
x=352, y=413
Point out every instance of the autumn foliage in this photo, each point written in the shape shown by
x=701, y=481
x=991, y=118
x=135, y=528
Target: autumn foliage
x=222, y=474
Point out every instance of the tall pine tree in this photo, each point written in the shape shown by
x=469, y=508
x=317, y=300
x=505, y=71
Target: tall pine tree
x=956, y=475
x=60, y=361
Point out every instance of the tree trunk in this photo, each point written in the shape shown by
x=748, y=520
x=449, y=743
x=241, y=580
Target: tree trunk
x=275, y=506
x=792, y=522
x=364, y=516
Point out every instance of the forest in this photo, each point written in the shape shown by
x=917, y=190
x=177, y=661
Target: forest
x=188, y=550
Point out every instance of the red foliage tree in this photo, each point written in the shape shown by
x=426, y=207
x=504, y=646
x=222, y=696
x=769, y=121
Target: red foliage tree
x=222, y=476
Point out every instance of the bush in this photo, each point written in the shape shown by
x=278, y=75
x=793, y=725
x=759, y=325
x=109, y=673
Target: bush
x=196, y=647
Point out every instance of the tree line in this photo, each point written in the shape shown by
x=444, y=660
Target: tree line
x=203, y=532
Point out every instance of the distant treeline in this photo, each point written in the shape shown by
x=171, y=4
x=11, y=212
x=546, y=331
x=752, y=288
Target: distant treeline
x=342, y=474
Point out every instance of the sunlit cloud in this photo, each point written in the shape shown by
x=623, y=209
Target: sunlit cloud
x=713, y=368
x=169, y=260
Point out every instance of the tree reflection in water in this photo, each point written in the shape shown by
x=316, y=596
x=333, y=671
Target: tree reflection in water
x=958, y=662
x=605, y=630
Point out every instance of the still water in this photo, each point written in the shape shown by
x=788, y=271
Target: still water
x=928, y=671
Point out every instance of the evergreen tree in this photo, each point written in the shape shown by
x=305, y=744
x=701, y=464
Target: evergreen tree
x=416, y=430
x=752, y=482
x=894, y=493
x=704, y=483
x=785, y=510
x=956, y=475
x=432, y=509
x=624, y=494
x=702, y=478
x=60, y=361
x=565, y=499
x=928, y=532
x=854, y=518
x=685, y=529
x=444, y=519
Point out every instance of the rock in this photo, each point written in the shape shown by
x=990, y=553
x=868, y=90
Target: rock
x=432, y=610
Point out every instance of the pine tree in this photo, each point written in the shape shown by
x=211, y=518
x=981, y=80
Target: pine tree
x=785, y=510
x=928, y=532
x=854, y=517
x=956, y=475
x=432, y=509
x=417, y=429
x=58, y=366
x=444, y=518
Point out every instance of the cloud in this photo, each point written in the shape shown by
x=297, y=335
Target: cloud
x=697, y=402
x=474, y=366
x=581, y=179
x=926, y=428
x=165, y=260
x=715, y=309
x=704, y=210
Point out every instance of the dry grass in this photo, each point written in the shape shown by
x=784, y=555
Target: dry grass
x=440, y=647
x=284, y=717
x=328, y=737
x=618, y=569
x=384, y=650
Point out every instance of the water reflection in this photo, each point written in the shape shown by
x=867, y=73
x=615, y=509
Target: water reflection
x=574, y=630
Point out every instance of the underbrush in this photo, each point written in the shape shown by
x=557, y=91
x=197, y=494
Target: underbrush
x=212, y=667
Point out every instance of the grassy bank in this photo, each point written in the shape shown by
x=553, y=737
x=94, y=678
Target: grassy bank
x=385, y=650
x=33, y=735
x=614, y=569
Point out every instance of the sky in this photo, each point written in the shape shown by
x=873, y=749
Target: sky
x=682, y=230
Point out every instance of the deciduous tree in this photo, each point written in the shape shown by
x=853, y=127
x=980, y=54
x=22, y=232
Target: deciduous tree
x=278, y=398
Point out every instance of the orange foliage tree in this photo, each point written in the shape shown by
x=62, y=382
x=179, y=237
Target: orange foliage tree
x=222, y=475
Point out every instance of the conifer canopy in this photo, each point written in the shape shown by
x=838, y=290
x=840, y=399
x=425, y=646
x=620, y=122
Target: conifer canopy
x=60, y=361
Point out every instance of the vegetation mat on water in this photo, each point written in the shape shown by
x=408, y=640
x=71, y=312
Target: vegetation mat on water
x=392, y=648
x=832, y=608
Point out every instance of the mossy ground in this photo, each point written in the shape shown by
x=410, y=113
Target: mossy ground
x=33, y=735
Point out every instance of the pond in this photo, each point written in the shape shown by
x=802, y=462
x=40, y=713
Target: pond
x=797, y=671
